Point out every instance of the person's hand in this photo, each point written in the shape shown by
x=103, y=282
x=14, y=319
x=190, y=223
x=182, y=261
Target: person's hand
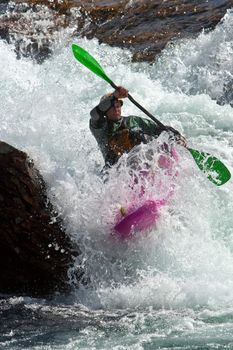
x=181, y=140
x=121, y=92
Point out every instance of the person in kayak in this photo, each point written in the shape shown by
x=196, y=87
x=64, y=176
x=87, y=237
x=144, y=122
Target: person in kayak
x=116, y=134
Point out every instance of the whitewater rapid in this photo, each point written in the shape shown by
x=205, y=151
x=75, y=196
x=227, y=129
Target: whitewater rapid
x=187, y=260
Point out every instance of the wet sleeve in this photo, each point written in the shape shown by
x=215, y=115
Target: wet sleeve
x=97, y=114
x=152, y=129
x=97, y=118
x=149, y=127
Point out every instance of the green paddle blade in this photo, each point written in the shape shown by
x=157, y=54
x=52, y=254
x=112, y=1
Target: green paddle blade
x=88, y=61
x=216, y=171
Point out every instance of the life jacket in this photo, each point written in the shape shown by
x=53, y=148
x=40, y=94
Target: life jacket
x=123, y=140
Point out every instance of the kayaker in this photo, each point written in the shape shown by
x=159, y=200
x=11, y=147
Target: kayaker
x=116, y=134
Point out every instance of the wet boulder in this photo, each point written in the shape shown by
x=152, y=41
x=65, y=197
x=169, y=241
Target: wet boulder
x=144, y=27
x=35, y=252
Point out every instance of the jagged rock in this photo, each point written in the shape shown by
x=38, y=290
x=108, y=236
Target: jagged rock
x=144, y=27
x=35, y=252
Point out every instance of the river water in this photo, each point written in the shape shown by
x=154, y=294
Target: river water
x=171, y=288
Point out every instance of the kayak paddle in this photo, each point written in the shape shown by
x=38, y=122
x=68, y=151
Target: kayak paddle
x=215, y=170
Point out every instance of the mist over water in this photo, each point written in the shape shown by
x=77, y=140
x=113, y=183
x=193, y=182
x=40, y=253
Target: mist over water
x=172, y=286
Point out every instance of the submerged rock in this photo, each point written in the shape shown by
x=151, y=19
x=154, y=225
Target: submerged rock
x=35, y=252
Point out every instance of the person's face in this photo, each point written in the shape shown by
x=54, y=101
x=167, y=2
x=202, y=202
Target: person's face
x=114, y=113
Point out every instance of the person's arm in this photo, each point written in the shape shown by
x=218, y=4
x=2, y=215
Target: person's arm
x=97, y=118
x=98, y=113
x=176, y=136
x=150, y=128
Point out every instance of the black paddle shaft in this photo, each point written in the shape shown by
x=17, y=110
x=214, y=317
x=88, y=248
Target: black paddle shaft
x=142, y=109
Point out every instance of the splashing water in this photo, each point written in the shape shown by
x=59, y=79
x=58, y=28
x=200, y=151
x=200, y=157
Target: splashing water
x=173, y=285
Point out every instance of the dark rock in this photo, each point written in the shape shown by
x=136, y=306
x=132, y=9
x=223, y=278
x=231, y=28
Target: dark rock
x=35, y=252
x=147, y=26
x=144, y=27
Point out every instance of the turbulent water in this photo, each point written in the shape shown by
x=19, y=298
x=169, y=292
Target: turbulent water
x=171, y=288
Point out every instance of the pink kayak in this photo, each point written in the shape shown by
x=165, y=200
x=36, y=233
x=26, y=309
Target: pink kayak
x=140, y=217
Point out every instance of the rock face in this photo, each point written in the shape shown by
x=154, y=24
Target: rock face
x=143, y=26
x=35, y=253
